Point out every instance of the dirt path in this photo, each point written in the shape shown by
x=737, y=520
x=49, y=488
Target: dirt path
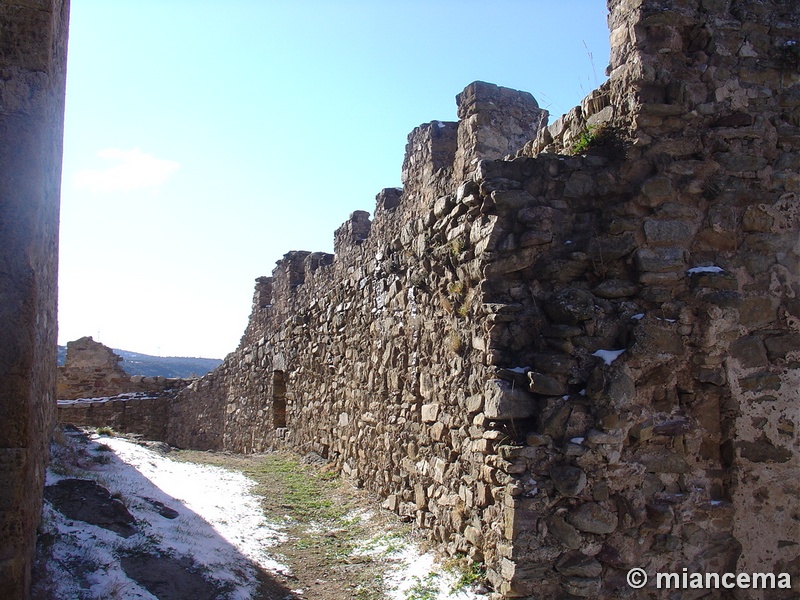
x=325, y=520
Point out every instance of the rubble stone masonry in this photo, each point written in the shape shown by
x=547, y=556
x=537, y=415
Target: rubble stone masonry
x=565, y=350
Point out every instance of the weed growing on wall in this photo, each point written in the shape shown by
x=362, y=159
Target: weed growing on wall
x=591, y=136
x=454, y=342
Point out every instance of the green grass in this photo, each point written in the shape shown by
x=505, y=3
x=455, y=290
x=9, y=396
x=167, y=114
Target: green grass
x=466, y=571
x=424, y=588
x=589, y=137
x=306, y=493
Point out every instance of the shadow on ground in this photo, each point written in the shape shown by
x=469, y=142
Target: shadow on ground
x=94, y=543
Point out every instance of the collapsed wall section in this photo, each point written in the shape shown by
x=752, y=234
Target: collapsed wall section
x=32, y=69
x=93, y=370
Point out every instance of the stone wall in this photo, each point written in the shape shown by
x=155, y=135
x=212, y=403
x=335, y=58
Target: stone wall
x=93, y=390
x=141, y=413
x=32, y=70
x=565, y=365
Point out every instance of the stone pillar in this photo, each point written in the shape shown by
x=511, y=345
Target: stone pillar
x=33, y=72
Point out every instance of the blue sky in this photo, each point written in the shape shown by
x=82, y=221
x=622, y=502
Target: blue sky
x=205, y=139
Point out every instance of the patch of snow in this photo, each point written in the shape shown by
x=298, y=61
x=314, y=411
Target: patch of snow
x=638, y=316
x=577, y=440
x=207, y=493
x=420, y=570
x=708, y=269
x=220, y=525
x=522, y=370
x=608, y=356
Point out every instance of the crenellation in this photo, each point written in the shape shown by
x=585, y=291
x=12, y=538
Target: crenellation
x=554, y=363
x=352, y=232
x=564, y=350
x=494, y=122
x=388, y=199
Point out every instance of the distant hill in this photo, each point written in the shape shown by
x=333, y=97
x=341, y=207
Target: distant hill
x=135, y=363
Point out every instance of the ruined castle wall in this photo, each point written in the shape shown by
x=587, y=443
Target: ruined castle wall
x=683, y=252
x=92, y=370
x=32, y=69
x=139, y=413
x=376, y=358
x=566, y=366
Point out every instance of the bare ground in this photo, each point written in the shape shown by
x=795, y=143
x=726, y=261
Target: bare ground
x=337, y=543
x=324, y=524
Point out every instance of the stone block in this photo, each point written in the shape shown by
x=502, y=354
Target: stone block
x=503, y=400
x=577, y=564
x=663, y=461
x=657, y=189
x=430, y=412
x=593, y=518
x=568, y=480
x=779, y=346
x=660, y=260
x=615, y=289
x=565, y=533
x=571, y=306
x=546, y=385
x=667, y=232
x=763, y=451
x=760, y=382
x=749, y=351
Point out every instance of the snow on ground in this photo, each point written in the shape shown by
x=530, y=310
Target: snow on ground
x=207, y=493
x=220, y=525
x=418, y=573
x=412, y=573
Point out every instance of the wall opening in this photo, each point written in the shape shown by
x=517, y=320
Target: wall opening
x=278, y=399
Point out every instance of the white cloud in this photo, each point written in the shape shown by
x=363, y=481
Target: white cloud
x=129, y=170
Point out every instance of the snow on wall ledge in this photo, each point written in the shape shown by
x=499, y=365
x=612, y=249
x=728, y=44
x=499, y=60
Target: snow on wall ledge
x=532, y=358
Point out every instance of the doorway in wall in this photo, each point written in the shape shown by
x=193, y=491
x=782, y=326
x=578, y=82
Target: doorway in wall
x=279, y=399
